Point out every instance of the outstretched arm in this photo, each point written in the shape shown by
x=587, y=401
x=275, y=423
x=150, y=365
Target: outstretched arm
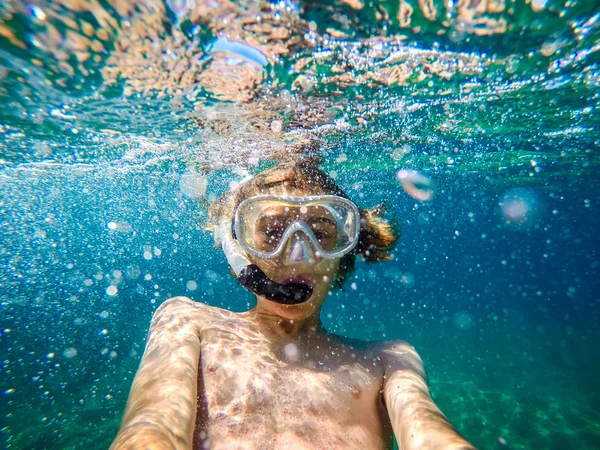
x=161, y=409
x=417, y=422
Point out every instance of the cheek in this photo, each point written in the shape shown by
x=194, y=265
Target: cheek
x=269, y=267
x=329, y=269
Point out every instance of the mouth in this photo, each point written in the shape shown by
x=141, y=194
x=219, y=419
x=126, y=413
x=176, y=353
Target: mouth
x=299, y=287
x=298, y=279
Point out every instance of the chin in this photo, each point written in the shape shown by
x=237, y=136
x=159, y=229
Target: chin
x=294, y=312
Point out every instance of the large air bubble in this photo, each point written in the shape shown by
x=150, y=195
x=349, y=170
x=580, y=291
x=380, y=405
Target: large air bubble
x=520, y=208
x=416, y=185
x=193, y=185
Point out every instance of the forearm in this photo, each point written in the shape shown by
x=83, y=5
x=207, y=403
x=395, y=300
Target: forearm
x=417, y=421
x=142, y=436
x=161, y=409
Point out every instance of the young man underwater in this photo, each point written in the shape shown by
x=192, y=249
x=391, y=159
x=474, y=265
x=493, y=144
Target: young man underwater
x=273, y=377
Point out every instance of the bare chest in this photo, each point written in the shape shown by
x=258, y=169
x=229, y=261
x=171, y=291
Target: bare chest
x=257, y=391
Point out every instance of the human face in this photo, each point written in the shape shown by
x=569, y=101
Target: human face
x=288, y=266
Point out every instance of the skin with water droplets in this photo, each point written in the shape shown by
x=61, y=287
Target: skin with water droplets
x=211, y=378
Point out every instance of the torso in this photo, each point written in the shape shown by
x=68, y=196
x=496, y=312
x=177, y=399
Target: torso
x=260, y=393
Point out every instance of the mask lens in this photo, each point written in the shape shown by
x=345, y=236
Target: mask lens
x=268, y=231
x=328, y=222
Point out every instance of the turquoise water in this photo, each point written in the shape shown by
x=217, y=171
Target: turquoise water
x=116, y=115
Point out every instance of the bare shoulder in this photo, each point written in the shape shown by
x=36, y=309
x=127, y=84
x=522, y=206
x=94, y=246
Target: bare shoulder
x=184, y=311
x=399, y=355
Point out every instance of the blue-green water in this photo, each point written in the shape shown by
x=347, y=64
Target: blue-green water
x=98, y=228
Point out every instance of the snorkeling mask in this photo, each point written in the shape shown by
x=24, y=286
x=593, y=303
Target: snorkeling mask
x=298, y=228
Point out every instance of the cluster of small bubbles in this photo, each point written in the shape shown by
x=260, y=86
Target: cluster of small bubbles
x=191, y=285
x=70, y=352
x=193, y=185
x=416, y=185
x=462, y=320
x=88, y=282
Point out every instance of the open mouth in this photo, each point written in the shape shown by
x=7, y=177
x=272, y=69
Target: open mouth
x=299, y=289
x=298, y=279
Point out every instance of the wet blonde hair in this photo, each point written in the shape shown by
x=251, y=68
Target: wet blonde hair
x=377, y=235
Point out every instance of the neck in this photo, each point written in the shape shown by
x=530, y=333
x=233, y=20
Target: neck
x=273, y=323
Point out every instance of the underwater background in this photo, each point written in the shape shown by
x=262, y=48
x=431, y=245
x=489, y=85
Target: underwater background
x=474, y=121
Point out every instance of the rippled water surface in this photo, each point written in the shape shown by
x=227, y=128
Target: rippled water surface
x=476, y=121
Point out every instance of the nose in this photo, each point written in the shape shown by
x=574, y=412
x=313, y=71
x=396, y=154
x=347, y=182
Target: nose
x=300, y=252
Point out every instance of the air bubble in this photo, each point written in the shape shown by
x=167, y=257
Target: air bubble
x=400, y=152
x=520, y=207
x=193, y=185
x=276, y=126
x=70, y=352
x=462, y=320
x=291, y=352
x=416, y=185
x=112, y=290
